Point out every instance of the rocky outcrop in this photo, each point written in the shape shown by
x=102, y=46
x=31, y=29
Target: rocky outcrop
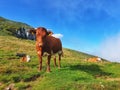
x=24, y=33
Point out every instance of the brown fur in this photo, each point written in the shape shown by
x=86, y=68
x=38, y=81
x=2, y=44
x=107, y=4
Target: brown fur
x=23, y=59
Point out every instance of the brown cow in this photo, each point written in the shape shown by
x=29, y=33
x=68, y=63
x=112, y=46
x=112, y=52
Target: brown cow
x=94, y=59
x=47, y=44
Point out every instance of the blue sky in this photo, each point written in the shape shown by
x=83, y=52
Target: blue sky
x=85, y=24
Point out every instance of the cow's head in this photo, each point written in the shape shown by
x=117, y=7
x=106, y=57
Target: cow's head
x=41, y=34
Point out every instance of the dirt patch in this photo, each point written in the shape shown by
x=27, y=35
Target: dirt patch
x=113, y=79
x=12, y=58
x=32, y=78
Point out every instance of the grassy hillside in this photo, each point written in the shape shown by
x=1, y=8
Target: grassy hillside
x=8, y=27
x=75, y=74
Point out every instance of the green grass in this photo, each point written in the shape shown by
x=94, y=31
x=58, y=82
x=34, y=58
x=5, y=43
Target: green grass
x=75, y=73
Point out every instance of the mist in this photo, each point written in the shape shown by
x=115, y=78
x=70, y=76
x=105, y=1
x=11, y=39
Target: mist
x=110, y=48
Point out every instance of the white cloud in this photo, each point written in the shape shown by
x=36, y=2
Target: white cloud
x=57, y=35
x=110, y=49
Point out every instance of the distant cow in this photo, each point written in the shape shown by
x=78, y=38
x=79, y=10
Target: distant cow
x=46, y=43
x=23, y=57
x=94, y=59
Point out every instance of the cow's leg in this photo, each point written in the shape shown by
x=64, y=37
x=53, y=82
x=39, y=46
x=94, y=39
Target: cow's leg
x=40, y=60
x=48, y=63
x=59, y=65
x=55, y=61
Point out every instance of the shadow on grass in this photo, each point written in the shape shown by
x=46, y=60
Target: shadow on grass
x=92, y=69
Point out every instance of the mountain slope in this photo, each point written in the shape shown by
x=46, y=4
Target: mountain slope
x=9, y=27
x=75, y=74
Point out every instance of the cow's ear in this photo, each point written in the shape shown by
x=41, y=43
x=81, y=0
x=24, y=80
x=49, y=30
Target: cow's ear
x=32, y=31
x=49, y=32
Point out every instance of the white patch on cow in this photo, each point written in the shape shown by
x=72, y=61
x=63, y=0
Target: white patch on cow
x=99, y=59
x=28, y=58
x=52, y=52
x=46, y=54
x=60, y=52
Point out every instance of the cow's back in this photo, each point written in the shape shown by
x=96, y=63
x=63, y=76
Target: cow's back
x=52, y=43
